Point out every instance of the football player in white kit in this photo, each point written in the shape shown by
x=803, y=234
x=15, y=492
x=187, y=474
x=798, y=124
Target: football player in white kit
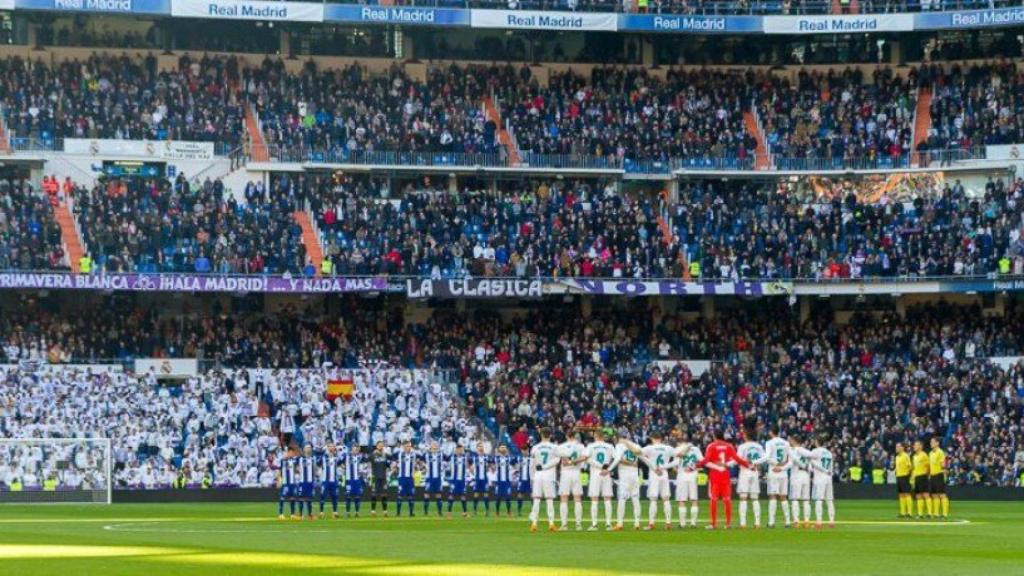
x=777, y=451
x=748, y=485
x=544, y=456
x=686, y=480
x=799, y=480
x=627, y=459
x=600, y=456
x=573, y=455
x=821, y=466
x=659, y=458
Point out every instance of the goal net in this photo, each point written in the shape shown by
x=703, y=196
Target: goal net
x=55, y=470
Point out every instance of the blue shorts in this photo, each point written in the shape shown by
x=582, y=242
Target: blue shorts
x=524, y=487
x=480, y=486
x=432, y=486
x=305, y=490
x=354, y=487
x=503, y=488
x=405, y=487
x=457, y=487
x=329, y=490
x=287, y=491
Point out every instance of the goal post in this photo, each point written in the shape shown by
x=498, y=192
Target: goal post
x=56, y=470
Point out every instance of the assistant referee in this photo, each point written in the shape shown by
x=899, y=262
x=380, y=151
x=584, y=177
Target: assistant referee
x=937, y=480
x=903, y=487
x=921, y=477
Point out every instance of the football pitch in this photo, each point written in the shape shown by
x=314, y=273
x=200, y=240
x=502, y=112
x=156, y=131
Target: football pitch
x=227, y=539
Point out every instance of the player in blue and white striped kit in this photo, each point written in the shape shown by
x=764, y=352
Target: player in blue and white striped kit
x=458, y=464
x=406, y=471
x=286, y=476
x=434, y=461
x=329, y=478
x=504, y=464
x=523, y=488
x=353, y=461
x=480, y=461
x=306, y=472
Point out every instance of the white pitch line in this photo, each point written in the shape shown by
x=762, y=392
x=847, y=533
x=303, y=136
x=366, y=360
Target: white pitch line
x=157, y=529
x=153, y=525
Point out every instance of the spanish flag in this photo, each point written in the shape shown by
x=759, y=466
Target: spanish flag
x=340, y=387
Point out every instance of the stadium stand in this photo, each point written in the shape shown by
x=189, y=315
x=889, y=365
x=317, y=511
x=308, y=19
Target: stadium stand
x=155, y=225
x=120, y=97
x=225, y=428
x=29, y=235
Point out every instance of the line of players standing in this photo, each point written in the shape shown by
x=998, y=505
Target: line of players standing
x=307, y=476
x=550, y=469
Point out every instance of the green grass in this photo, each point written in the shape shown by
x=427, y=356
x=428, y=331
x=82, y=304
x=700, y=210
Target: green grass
x=227, y=539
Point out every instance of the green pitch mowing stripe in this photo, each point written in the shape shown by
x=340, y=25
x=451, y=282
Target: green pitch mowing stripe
x=228, y=539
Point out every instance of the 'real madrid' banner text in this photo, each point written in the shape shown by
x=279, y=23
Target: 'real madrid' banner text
x=535, y=20
x=841, y=24
x=249, y=10
x=667, y=288
x=475, y=288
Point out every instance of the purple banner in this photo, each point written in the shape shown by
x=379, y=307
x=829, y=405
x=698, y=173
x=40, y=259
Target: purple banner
x=189, y=283
x=627, y=287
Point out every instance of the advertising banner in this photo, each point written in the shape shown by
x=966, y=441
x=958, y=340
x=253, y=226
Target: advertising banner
x=682, y=24
x=667, y=288
x=843, y=24
x=248, y=10
x=189, y=283
x=168, y=367
x=969, y=19
x=475, y=288
x=405, y=15
x=534, y=20
x=151, y=149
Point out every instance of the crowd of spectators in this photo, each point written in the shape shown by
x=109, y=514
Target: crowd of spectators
x=288, y=338
x=866, y=384
x=975, y=105
x=30, y=238
x=354, y=109
x=560, y=228
x=623, y=116
x=838, y=117
x=120, y=97
x=714, y=230
x=158, y=225
x=225, y=428
x=867, y=381
x=629, y=113
x=767, y=232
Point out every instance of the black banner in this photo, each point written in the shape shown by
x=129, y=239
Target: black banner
x=474, y=288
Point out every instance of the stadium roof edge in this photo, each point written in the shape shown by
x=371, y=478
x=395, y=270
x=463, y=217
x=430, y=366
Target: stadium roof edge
x=552, y=21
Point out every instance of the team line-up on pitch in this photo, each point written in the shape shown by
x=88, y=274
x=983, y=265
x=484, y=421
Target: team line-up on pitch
x=795, y=476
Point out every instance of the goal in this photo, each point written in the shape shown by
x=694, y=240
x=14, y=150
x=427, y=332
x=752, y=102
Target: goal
x=55, y=470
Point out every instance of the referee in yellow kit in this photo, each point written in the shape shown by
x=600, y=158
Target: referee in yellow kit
x=922, y=476
x=903, y=487
x=937, y=480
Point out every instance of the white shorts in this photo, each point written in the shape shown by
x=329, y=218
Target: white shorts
x=686, y=489
x=543, y=484
x=748, y=483
x=600, y=486
x=823, y=488
x=569, y=483
x=778, y=484
x=629, y=482
x=658, y=487
x=800, y=486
